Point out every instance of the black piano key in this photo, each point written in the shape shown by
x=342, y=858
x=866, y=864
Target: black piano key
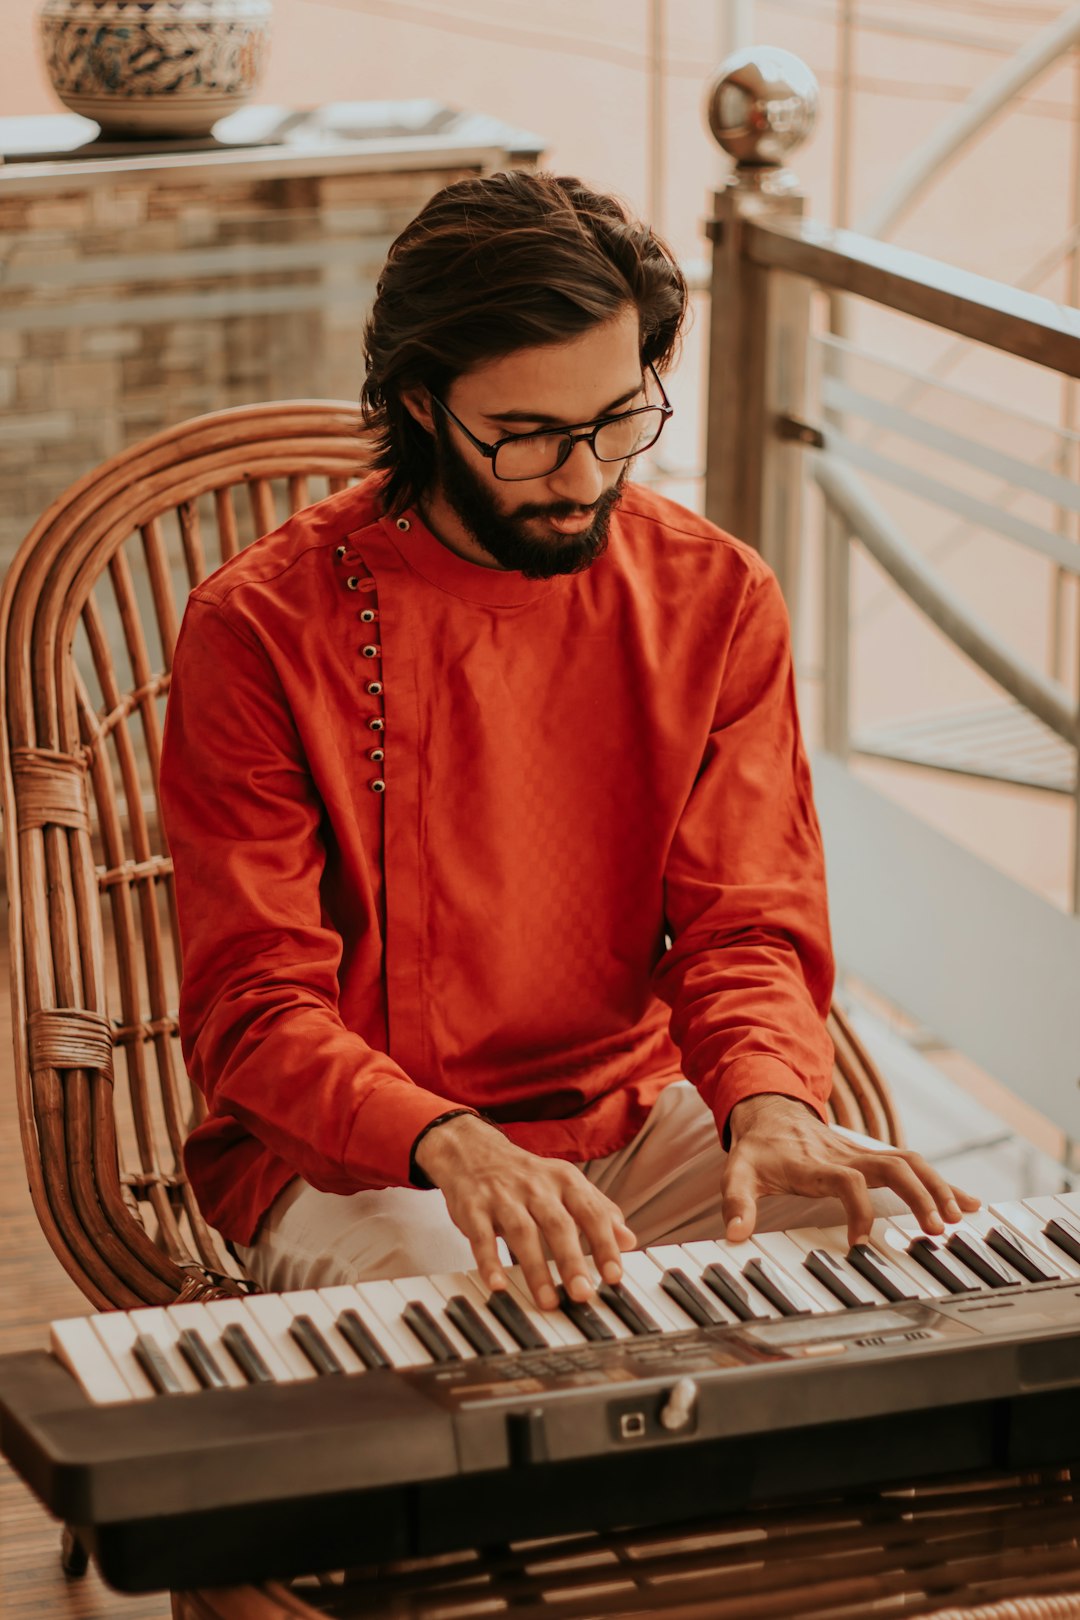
x=192, y=1347
x=830, y=1275
x=472, y=1327
x=355, y=1331
x=880, y=1273
x=698, y=1307
x=764, y=1278
x=630, y=1311
x=1065, y=1234
x=729, y=1288
x=583, y=1317
x=509, y=1314
x=238, y=1343
x=936, y=1262
x=324, y=1360
x=420, y=1321
x=155, y=1364
x=1021, y=1255
x=979, y=1260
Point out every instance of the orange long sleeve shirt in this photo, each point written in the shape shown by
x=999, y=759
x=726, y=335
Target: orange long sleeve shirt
x=587, y=862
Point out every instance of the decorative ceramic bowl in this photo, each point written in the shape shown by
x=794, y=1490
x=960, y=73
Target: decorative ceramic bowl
x=155, y=67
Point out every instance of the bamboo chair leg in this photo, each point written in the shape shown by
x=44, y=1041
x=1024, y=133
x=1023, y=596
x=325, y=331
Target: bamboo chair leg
x=74, y=1558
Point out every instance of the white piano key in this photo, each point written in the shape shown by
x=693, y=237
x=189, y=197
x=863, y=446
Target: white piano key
x=1029, y=1223
x=552, y=1326
x=309, y=1302
x=234, y=1312
x=1055, y=1206
x=116, y=1334
x=909, y=1225
x=643, y=1275
x=784, y=1252
x=984, y=1222
x=729, y=1257
x=196, y=1318
x=969, y=1227
x=893, y=1242
x=676, y=1257
x=274, y=1317
x=615, y=1324
x=450, y=1283
x=81, y=1351
x=385, y=1304
x=340, y=1297
x=158, y=1323
x=424, y=1291
x=1070, y=1202
x=833, y=1241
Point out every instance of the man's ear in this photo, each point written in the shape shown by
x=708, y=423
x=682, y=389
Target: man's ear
x=417, y=401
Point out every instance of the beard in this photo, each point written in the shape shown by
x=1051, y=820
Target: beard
x=504, y=536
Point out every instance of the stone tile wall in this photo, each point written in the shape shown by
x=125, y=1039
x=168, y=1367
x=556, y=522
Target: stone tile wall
x=131, y=305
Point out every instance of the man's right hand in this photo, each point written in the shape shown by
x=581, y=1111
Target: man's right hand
x=494, y=1189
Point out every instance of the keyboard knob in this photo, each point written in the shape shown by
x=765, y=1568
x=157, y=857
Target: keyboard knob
x=678, y=1411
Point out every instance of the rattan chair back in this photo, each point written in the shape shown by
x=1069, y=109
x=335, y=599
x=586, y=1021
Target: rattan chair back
x=88, y=619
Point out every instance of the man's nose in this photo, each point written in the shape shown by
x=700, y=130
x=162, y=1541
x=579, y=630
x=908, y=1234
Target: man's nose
x=580, y=478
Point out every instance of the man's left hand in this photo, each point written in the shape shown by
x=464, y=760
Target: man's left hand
x=779, y=1146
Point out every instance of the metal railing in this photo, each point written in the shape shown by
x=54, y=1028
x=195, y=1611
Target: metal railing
x=991, y=968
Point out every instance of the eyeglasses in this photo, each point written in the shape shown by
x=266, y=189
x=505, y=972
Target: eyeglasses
x=519, y=456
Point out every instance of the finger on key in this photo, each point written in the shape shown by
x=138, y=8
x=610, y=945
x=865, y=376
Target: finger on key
x=849, y=1186
x=486, y=1254
x=522, y=1234
x=605, y=1230
x=928, y=1199
x=950, y=1202
x=559, y=1231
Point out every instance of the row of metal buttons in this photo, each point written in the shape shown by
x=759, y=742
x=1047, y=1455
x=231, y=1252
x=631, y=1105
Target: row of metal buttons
x=371, y=650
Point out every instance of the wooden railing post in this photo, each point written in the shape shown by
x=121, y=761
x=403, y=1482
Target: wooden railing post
x=761, y=107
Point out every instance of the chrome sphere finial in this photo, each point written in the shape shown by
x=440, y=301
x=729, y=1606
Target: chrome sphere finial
x=762, y=105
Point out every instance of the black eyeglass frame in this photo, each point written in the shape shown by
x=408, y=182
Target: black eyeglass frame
x=572, y=433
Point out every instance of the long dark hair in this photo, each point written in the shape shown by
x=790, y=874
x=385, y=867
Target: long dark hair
x=498, y=263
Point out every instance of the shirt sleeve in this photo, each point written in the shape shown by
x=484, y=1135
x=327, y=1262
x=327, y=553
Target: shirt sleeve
x=749, y=972
x=259, y=1020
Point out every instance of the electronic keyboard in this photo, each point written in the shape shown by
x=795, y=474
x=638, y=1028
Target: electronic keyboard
x=280, y=1434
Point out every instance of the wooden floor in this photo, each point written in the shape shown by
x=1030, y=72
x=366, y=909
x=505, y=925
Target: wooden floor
x=34, y=1289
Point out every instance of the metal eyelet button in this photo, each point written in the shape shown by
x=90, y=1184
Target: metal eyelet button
x=352, y=582
x=378, y=724
x=403, y=523
x=370, y=652
x=378, y=786
x=374, y=688
x=368, y=616
x=340, y=553
x=377, y=754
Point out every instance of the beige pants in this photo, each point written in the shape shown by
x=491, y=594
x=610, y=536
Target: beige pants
x=668, y=1182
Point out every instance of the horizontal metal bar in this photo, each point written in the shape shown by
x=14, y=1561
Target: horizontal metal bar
x=1006, y=318
x=837, y=351
x=943, y=607
x=1058, y=547
x=840, y=396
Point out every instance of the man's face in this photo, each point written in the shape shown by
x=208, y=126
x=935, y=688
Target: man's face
x=556, y=524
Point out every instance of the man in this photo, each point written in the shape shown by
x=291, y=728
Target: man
x=477, y=778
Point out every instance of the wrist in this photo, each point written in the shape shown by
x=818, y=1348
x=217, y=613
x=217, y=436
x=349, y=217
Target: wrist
x=441, y=1144
x=748, y=1111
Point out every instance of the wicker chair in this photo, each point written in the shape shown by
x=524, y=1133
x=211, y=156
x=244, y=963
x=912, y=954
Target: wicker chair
x=89, y=617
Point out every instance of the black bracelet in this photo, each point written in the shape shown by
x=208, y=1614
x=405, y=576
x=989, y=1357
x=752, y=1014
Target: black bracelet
x=416, y=1175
